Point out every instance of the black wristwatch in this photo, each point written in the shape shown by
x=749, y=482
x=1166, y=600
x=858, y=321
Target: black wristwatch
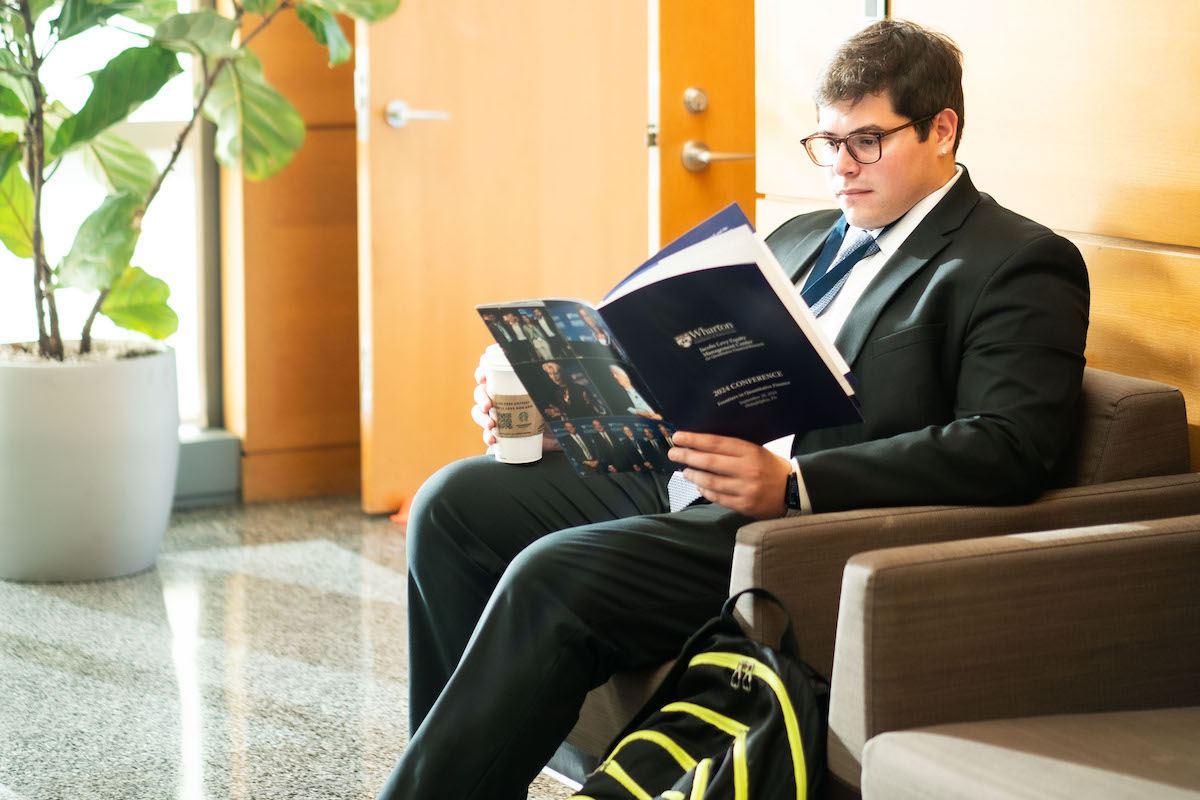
x=791, y=495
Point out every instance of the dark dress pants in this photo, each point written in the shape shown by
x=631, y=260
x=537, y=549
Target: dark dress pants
x=529, y=586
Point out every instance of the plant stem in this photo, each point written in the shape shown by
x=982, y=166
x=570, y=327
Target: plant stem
x=266, y=21
x=49, y=342
x=209, y=80
x=85, y=339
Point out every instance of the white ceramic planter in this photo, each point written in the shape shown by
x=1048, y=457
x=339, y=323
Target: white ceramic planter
x=88, y=456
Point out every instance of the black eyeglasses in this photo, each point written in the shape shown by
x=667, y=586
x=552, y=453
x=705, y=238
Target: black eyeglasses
x=865, y=148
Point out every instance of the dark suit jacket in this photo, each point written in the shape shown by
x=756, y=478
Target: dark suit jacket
x=968, y=354
x=576, y=454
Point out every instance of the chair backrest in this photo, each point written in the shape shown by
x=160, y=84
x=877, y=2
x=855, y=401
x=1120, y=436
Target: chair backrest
x=1128, y=428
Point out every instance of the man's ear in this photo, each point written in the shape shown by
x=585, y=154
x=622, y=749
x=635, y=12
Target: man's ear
x=945, y=130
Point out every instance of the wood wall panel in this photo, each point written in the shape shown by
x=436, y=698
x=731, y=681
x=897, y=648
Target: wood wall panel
x=305, y=472
x=1144, y=316
x=793, y=39
x=290, y=288
x=297, y=66
x=1082, y=115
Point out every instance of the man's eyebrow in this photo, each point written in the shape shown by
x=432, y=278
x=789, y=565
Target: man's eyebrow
x=870, y=128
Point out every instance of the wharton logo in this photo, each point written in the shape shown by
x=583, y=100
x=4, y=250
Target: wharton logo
x=688, y=338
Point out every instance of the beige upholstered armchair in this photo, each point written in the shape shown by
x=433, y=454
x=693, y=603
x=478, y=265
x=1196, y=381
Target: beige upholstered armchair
x=1129, y=462
x=1054, y=664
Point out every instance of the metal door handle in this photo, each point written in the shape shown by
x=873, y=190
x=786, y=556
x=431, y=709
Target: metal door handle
x=696, y=156
x=398, y=114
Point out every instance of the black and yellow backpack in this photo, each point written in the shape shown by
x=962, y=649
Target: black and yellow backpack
x=734, y=719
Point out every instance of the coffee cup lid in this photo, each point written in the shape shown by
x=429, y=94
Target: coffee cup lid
x=494, y=355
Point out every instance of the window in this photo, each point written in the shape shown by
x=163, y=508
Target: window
x=176, y=230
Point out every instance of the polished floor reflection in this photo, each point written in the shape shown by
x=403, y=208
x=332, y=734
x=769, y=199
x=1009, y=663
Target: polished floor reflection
x=264, y=656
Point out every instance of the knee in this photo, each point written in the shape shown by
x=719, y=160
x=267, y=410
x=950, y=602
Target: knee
x=551, y=570
x=437, y=509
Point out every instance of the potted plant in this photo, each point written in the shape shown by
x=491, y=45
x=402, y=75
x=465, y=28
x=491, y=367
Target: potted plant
x=88, y=430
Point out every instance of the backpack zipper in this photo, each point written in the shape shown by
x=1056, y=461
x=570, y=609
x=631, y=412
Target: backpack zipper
x=743, y=668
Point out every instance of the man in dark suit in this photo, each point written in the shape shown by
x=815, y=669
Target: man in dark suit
x=655, y=451
x=964, y=325
x=629, y=454
x=582, y=452
x=605, y=445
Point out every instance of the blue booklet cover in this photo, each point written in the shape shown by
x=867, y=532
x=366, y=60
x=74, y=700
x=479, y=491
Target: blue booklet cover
x=709, y=335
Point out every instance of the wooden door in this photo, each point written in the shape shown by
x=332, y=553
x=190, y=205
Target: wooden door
x=705, y=45
x=536, y=184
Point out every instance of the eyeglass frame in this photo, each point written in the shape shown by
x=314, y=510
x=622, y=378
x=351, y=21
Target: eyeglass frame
x=844, y=141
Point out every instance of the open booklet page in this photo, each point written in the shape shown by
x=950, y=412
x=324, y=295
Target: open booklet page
x=726, y=347
x=590, y=396
x=709, y=335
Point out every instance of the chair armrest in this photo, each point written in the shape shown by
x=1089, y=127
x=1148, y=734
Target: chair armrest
x=1104, y=618
x=801, y=559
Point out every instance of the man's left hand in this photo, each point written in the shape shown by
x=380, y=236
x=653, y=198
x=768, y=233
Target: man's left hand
x=734, y=473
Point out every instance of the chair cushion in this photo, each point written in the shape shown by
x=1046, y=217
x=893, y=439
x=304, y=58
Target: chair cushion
x=1128, y=428
x=1125, y=754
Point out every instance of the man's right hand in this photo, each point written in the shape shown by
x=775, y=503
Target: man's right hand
x=481, y=411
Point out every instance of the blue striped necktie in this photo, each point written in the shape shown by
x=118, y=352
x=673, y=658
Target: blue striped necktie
x=824, y=284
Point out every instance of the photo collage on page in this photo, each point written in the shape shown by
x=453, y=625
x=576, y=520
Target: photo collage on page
x=589, y=395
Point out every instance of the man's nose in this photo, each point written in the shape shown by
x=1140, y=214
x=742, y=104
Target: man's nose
x=843, y=162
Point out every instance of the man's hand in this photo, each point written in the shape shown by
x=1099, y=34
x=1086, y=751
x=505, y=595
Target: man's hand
x=481, y=412
x=737, y=474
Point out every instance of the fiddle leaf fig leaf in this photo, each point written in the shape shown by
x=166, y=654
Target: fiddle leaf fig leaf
x=258, y=130
x=138, y=302
x=367, y=10
x=10, y=103
x=78, y=16
x=326, y=30
x=11, y=72
x=103, y=245
x=151, y=12
x=16, y=208
x=205, y=33
x=10, y=151
x=120, y=164
x=130, y=79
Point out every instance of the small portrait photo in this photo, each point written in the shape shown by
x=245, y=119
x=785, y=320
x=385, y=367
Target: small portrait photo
x=508, y=328
x=654, y=446
x=578, y=443
x=566, y=392
x=616, y=441
x=586, y=332
x=623, y=391
x=542, y=326
x=538, y=329
x=665, y=432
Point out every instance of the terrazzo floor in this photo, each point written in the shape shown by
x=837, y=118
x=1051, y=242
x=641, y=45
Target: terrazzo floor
x=263, y=657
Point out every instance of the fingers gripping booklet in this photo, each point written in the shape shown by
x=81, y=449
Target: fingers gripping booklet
x=709, y=335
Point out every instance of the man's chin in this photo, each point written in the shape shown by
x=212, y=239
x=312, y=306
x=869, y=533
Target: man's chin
x=861, y=218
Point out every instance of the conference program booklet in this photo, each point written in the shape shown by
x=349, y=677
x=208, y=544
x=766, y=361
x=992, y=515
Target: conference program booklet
x=709, y=335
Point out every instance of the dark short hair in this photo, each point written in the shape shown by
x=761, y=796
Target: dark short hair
x=920, y=69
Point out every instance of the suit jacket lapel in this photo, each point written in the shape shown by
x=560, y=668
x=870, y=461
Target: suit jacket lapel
x=796, y=252
x=925, y=242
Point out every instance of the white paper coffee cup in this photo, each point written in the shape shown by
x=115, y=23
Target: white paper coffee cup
x=518, y=422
